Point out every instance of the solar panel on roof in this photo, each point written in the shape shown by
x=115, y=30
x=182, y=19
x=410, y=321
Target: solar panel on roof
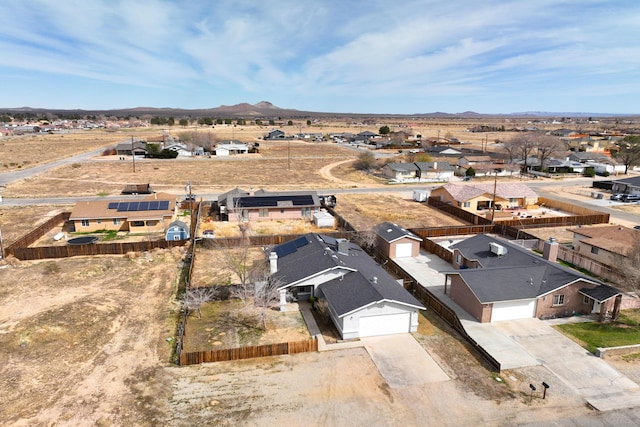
x=133, y=206
x=260, y=202
x=144, y=206
x=291, y=247
x=153, y=205
x=164, y=205
x=113, y=205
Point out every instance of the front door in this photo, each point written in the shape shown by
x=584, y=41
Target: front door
x=596, y=307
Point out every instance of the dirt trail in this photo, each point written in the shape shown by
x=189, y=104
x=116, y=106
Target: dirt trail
x=325, y=172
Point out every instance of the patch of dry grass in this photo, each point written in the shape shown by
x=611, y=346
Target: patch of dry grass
x=364, y=211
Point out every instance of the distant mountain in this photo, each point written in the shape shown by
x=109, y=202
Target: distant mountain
x=265, y=109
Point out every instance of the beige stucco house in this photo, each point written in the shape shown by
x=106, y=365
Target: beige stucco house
x=473, y=197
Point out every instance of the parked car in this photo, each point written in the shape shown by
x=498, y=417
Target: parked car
x=617, y=196
x=631, y=198
x=636, y=227
x=208, y=234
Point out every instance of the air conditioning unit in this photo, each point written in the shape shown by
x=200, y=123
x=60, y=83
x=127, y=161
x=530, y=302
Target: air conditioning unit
x=497, y=249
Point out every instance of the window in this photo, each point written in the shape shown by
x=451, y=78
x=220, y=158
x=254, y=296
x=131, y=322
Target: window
x=594, y=250
x=98, y=221
x=151, y=223
x=263, y=213
x=459, y=204
x=467, y=204
x=458, y=258
x=558, y=299
x=116, y=221
x=586, y=300
x=85, y=222
x=137, y=223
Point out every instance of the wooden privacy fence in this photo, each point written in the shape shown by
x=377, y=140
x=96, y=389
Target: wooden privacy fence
x=270, y=239
x=32, y=236
x=206, y=356
x=115, y=248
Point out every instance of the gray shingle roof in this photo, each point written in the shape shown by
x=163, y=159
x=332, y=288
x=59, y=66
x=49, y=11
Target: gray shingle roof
x=392, y=232
x=313, y=254
x=519, y=274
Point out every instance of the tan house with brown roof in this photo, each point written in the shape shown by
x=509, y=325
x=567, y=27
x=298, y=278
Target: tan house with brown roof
x=143, y=215
x=479, y=196
x=604, y=244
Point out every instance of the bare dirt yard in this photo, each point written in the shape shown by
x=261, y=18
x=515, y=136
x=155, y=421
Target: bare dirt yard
x=364, y=211
x=279, y=166
x=84, y=340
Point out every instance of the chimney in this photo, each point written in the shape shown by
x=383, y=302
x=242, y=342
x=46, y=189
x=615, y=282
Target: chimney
x=550, y=250
x=343, y=246
x=273, y=262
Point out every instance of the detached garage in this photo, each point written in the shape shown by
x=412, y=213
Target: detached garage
x=396, y=242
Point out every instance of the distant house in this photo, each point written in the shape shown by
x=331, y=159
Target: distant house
x=177, y=230
x=564, y=166
x=262, y=205
x=606, y=244
x=275, y=134
x=137, y=189
x=400, y=171
x=629, y=185
x=144, y=215
x=443, y=150
x=479, y=196
x=362, y=298
x=498, y=281
x=138, y=147
x=180, y=148
x=230, y=149
x=474, y=160
x=396, y=242
x=438, y=171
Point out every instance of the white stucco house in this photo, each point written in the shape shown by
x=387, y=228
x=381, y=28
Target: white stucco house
x=363, y=299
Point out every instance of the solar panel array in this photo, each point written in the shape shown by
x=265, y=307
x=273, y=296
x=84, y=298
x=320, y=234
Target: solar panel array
x=291, y=247
x=152, y=205
x=268, y=201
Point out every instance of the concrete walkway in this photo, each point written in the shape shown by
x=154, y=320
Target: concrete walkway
x=528, y=342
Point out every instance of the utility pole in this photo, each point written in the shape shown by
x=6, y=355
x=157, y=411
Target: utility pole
x=1, y=247
x=493, y=202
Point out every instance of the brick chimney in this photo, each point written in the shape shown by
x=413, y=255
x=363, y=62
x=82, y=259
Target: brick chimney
x=550, y=249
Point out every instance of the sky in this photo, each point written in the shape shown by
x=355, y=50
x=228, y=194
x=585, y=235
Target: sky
x=343, y=56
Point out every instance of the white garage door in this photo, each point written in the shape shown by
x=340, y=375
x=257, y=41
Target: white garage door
x=404, y=250
x=513, y=310
x=385, y=324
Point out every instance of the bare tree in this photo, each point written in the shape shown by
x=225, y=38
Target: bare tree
x=627, y=265
x=266, y=297
x=547, y=146
x=195, y=297
x=367, y=238
x=523, y=145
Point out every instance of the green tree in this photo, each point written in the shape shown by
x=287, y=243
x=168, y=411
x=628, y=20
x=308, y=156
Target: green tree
x=384, y=130
x=171, y=121
x=259, y=122
x=290, y=123
x=627, y=151
x=470, y=171
x=308, y=122
x=183, y=122
x=271, y=123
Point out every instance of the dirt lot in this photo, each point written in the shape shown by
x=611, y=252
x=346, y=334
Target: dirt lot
x=366, y=210
x=83, y=340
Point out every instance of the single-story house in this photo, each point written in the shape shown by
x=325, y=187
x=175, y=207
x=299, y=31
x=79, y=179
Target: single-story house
x=474, y=160
x=605, y=244
x=180, y=148
x=490, y=169
x=473, y=197
x=497, y=280
x=439, y=171
x=137, y=189
x=177, y=230
x=262, y=205
x=362, y=298
x=136, y=146
x=231, y=149
x=275, y=134
x=144, y=215
x=564, y=166
x=629, y=185
x=396, y=242
x=400, y=171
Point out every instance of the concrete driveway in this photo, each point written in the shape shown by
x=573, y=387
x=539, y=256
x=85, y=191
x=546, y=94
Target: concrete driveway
x=402, y=361
x=528, y=342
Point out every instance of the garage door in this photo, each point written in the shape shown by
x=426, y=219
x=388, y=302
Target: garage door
x=404, y=250
x=385, y=324
x=513, y=310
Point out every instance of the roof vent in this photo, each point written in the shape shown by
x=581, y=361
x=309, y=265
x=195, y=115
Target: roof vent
x=497, y=249
x=374, y=279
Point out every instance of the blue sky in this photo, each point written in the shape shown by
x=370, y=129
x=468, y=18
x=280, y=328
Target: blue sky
x=349, y=56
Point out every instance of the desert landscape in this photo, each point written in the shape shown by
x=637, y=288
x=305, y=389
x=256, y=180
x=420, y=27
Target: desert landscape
x=89, y=340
